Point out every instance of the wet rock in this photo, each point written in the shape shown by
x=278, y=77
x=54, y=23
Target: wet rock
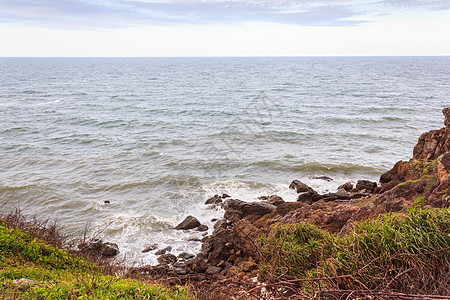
x=202, y=228
x=107, y=202
x=214, y=220
x=110, y=249
x=166, y=259
x=365, y=185
x=198, y=264
x=225, y=196
x=309, y=197
x=326, y=178
x=300, y=187
x=348, y=186
x=185, y=256
x=189, y=223
x=342, y=193
x=212, y=270
x=237, y=209
x=150, y=248
x=443, y=168
x=215, y=200
x=163, y=251
x=222, y=223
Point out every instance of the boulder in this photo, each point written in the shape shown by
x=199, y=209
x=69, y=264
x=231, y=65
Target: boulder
x=185, y=256
x=300, y=187
x=446, y=112
x=109, y=249
x=348, y=186
x=98, y=247
x=222, y=223
x=365, y=185
x=212, y=270
x=215, y=200
x=189, y=223
x=237, y=209
x=275, y=200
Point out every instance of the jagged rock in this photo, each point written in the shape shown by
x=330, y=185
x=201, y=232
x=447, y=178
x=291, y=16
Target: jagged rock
x=198, y=264
x=150, y=248
x=189, y=223
x=326, y=178
x=110, y=249
x=348, y=186
x=443, y=168
x=300, y=187
x=215, y=200
x=446, y=112
x=166, y=259
x=342, y=193
x=163, y=251
x=225, y=196
x=185, y=256
x=212, y=270
x=309, y=197
x=365, y=185
x=202, y=228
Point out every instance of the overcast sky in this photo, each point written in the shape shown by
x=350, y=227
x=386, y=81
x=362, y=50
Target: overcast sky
x=224, y=27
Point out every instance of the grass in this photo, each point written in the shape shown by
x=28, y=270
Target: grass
x=58, y=274
x=396, y=252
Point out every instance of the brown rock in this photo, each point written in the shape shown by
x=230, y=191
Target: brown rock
x=365, y=185
x=300, y=187
x=233, y=271
x=446, y=112
x=150, y=248
x=443, y=168
x=185, y=256
x=215, y=200
x=164, y=250
x=309, y=197
x=275, y=200
x=247, y=266
x=212, y=270
x=348, y=186
x=166, y=259
x=189, y=223
x=202, y=228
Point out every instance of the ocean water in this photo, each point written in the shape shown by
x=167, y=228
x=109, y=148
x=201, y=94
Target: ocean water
x=157, y=136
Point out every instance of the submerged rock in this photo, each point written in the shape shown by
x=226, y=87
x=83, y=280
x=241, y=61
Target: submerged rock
x=215, y=200
x=150, y=248
x=202, y=228
x=164, y=250
x=326, y=178
x=189, y=223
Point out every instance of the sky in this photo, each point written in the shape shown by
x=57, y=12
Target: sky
x=154, y=28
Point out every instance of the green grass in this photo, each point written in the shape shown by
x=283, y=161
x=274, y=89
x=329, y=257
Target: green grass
x=409, y=253
x=60, y=275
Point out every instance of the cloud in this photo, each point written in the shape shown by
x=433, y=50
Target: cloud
x=79, y=14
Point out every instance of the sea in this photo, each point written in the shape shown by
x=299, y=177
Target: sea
x=123, y=149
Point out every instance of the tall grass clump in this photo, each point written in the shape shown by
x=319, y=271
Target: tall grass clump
x=404, y=253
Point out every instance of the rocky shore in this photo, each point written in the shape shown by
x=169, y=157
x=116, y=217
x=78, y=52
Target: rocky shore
x=230, y=255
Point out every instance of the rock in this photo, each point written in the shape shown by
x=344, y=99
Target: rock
x=150, y=248
x=233, y=271
x=275, y=200
x=185, y=256
x=212, y=270
x=446, y=112
x=225, y=196
x=443, y=168
x=23, y=282
x=166, y=259
x=202, y=228
x=222, y=223
x=247, y=266
x=189, y=223
x=198, y=264
x=237, y=209
x=107, y=202
x=109, y=249
x=163, y=251
x=348, y=186
x=342, y=193
x=309, y=197
x=215, y=200
x=365, y=185
x=300, y=187
x=214, y=220
x=326, y=178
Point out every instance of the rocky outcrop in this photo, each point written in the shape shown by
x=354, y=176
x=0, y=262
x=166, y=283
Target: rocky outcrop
x=300, y=187
x=99, y=248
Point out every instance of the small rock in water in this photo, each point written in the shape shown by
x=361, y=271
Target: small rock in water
x=150, y=248
x=202, y=228
x=300, y=187
x=164, y=250
x=216, y=199
x=107, y=202
x=213, y=220
x=189, y=223
x=326, y=178
x=110, y=249
x=348, y=186
x=166, y=259
x=225, y=196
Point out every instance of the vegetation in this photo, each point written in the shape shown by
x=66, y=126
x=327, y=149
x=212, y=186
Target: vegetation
x=396, y=252
x=32, y=269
